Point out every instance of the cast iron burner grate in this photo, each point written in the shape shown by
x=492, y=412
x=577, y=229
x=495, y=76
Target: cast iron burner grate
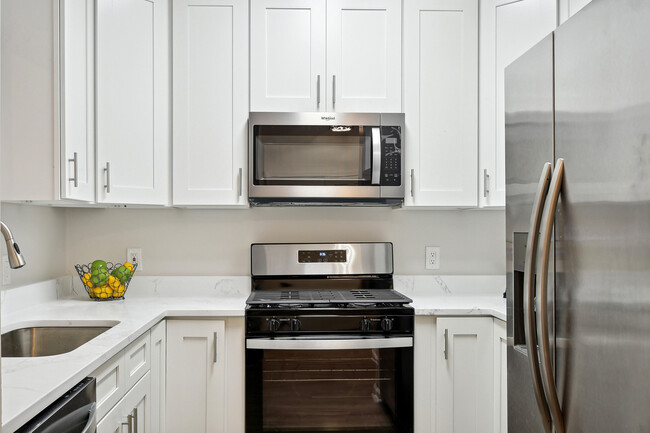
x=357, y=296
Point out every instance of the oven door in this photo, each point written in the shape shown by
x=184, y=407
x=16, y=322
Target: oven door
x=317, y=384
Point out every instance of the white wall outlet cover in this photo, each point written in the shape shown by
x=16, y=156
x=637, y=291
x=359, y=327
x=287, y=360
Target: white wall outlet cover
x=432, y=258
x=134, y=255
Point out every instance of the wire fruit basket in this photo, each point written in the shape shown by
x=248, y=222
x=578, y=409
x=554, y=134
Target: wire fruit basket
x=106, y=281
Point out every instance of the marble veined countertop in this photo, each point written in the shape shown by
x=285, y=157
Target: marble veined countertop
x=31, y=384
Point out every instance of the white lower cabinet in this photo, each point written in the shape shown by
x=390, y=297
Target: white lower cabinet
x=133, y=411
x=500, y=378
x=458, y=387
x=205, y=376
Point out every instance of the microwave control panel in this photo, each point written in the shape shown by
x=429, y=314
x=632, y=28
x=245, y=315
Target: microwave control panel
x=391, y=156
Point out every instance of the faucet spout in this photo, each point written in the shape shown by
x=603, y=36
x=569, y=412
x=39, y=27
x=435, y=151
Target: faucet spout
x=16, y=259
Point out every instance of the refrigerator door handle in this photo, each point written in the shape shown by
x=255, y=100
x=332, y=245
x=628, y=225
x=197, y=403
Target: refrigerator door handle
x=548, y=218
x=530, y=331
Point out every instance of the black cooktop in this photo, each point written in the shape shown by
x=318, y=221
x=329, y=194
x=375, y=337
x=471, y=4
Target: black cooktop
x=340, y=297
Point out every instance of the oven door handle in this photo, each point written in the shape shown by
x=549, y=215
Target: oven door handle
x=376, y=156
x=328, y=344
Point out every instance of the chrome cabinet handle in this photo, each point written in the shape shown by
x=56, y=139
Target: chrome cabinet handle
x=216, y=336
x=333, y=91
x=446, y=349
x=530, y=332
x=317, y=91
x=412, y=179
x=486, y=183
x=129, y=423
x=135, y=420
x=75, y=177
x=239, y=183
x=376, y=156
x=548, y=218
x=107, y=170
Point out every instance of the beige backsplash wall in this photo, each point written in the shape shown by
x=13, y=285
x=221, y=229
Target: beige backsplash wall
x=217, y=242
x=40, y=232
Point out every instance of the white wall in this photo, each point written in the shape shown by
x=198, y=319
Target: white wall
x=217, y=242
x=39, y=231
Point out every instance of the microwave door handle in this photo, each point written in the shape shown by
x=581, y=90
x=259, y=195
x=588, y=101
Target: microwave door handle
x=530, y=332
x=376, y=156
x=548, y=217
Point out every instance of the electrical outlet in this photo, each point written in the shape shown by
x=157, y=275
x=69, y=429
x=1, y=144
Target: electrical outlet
x=134, y=255
x=432, y=257
x=6, y=271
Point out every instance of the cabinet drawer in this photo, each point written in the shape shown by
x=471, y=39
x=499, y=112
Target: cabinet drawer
x=118, y=375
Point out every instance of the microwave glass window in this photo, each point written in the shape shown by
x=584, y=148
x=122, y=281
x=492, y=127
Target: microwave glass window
x=312, y=155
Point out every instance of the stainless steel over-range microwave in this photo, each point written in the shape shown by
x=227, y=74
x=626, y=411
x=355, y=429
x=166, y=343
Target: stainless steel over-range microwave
x=352, y=159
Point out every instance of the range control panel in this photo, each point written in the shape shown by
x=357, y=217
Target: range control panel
x=391, y=156
x=322, y=256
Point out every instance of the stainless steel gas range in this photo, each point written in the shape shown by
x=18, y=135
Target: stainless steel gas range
x=329, y=342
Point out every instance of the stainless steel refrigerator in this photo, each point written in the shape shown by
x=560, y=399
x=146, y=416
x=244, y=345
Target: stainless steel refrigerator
x=578, y=225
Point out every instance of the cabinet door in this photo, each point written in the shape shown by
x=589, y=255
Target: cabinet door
x=288, y=55
x=210, y=101
x=364, y=55
x=196, y=388
x=134, y=408
x=77, y=99
x=500, y=378
x=158, y=372
x=132, y=101
x=441, y=102
x=464, y=375
x=508, y=29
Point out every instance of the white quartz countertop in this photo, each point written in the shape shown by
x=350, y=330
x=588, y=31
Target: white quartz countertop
x=31, y=384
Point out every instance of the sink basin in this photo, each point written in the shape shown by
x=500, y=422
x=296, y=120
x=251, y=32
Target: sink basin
x=52, y=339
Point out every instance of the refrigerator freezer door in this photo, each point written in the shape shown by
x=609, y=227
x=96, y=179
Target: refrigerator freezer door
x=602, y=229
x=529, y=145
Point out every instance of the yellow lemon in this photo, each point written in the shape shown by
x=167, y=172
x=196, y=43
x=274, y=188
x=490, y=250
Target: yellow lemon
x=97, y=290
x=129, y=265
x=108, y=291
x=103, y=295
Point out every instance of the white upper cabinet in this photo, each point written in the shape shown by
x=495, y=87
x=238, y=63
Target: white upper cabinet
x=568, y=8
x=48, y=101
x=364, y=52
x=441, y=102
x=132, y=59
x=317, y=55
x=508, y=29
x=287, y=55
x=210, y=94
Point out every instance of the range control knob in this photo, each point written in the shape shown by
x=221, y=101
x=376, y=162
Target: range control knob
x=387, y=324
x=274, y=325
x=295, y=325
x=365, y=325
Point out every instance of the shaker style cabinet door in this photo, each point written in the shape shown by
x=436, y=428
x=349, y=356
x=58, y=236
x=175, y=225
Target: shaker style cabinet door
x=364, y=56
x=508, y=29
x=132, y=413
x=287, y=55
x=441, y=102
x=77, y=99
x=132, y=59
x=464, y=375
x=48, y=112
x=196, y=382
x=210, y=102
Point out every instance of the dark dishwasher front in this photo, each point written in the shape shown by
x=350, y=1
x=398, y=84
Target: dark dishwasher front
x=74, y=412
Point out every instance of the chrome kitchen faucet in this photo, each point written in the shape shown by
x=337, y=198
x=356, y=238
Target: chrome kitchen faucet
x=16, y=259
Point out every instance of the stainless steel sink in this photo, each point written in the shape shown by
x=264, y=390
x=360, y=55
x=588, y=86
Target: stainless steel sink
x=49, y=340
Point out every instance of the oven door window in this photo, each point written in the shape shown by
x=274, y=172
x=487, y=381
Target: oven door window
x=312, y=155
x=360, y=390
